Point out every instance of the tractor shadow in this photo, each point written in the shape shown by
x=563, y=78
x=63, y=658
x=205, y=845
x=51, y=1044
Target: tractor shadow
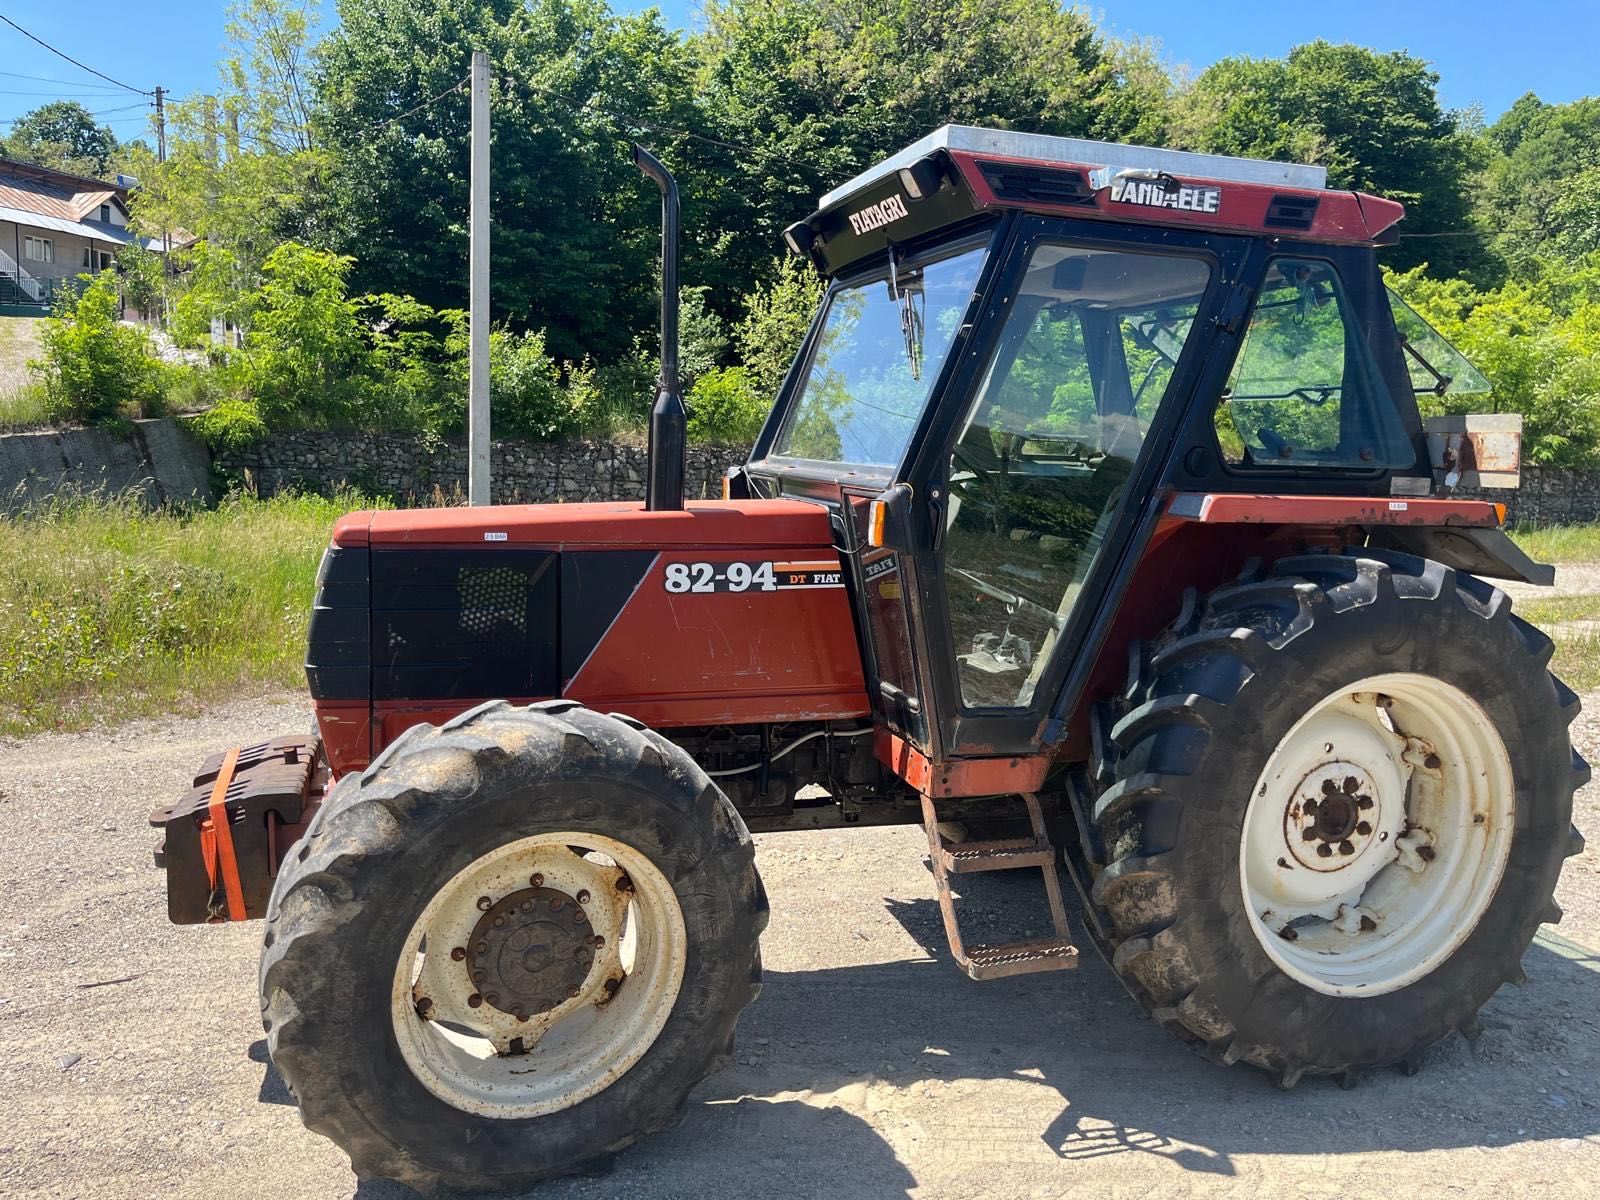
x=875, y=1080
x=1100, y=1079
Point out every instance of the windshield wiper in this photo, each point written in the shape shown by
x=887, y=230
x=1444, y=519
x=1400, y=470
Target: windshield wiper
x=910, y=317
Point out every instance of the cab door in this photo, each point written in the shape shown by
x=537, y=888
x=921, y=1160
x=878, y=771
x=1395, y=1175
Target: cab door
x=1044, y=460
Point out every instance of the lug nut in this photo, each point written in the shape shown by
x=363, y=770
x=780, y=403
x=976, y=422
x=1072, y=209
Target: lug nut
x=583, y=897
x=1324, y=850
x=1367, y=924
x=536, y=879
x=1308, y=835
x=527, y=906
x=1350, y=785
x=482, y=947
x=458, y=953
x=555, y=904
x=1363, y=802
x=479, y=976
x=424, y=1003
x=1346, y=848
x=597, y=940
x=474, y=1000
x=579, y=917
x=485, y=904
x=491, y=998
x=1432, y=762
x=498, y=921
x=1363, y=827
x=572, y=993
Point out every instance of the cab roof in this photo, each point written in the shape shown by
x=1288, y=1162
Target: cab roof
x=959, y=171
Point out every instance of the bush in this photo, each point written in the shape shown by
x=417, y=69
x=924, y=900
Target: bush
x=725, y=407
x=96, y=369
x=526, y=396
x=232, y=424
x=306, y=353
x=613, y=399
x=1538, y=342
x=777, y=315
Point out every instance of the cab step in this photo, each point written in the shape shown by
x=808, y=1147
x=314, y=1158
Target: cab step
x=959, y=858
x=962, y=857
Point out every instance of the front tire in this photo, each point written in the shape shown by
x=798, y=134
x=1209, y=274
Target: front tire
x=1341, y=797
x=510, y=948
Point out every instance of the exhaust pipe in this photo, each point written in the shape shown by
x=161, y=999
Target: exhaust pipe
x=668, y=443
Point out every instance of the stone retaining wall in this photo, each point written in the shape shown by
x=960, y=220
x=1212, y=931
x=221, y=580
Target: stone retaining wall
x=414, y=470
x=1548, y=496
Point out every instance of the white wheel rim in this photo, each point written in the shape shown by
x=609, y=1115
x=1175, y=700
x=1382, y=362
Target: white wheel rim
x=554, y=1018
x=1363, y=890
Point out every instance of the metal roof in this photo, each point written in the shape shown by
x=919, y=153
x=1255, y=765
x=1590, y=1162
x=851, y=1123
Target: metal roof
x=100, y=231
x=1045, y=148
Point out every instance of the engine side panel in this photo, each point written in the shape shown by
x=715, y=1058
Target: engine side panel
x=712, y=625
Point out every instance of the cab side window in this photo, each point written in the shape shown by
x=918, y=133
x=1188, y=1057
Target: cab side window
x=1305, y=391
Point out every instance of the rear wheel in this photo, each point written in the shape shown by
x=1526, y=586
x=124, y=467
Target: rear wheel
x=1341, y=797
x=510, y=948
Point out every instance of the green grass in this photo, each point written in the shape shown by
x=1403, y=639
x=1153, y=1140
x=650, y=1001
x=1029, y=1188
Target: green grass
x=23, y=407
x=1577, y=658
x=1559, y=543
x=108, y=611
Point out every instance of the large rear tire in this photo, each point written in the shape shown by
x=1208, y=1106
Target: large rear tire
x=510, y=948
x=1340, y=799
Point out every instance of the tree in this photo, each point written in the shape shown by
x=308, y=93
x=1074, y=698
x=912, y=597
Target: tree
x=62, y=135
x=1373, y=119
x=241, y=162
x=1538, y=193
x=575, y=226
x=813, y=91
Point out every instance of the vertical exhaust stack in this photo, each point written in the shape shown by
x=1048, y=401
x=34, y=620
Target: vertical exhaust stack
x=668, y=417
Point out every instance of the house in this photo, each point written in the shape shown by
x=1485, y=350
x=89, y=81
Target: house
x=55, y=226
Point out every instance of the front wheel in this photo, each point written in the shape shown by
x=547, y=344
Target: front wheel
x=1342, y=796
x=510, y=948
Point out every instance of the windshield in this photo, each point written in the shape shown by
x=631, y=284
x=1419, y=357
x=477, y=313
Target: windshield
x=882, y=345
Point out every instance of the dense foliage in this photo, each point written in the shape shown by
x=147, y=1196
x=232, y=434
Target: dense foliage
x=320, y=193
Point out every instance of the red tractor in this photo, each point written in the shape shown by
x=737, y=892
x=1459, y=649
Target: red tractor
x=1095, y=525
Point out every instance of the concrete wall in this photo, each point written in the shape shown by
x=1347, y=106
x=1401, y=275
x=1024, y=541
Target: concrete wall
x=158, y=459
x=416, y=471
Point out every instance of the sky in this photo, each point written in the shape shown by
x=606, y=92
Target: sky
x=1485, y=52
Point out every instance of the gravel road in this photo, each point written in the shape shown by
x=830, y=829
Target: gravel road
x=132, y=1054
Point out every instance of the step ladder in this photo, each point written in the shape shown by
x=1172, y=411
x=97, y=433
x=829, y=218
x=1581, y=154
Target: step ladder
x=961, y=858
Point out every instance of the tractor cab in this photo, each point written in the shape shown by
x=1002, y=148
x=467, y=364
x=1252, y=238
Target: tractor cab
x=1037, y=351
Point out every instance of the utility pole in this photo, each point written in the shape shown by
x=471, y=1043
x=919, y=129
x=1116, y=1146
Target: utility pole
x=478, y=291
x=161, y=124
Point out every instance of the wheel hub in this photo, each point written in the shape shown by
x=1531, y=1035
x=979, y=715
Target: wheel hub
x=530, y=952
x=1376, y=834
x=1332, y=818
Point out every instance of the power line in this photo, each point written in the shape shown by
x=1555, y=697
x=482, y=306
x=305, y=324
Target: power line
x=64, y=55
x=576, y=108
x=454, y=87
x=99, y=95
x=67, y=82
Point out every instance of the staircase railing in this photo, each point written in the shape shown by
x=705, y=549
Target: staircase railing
x=23, y=280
